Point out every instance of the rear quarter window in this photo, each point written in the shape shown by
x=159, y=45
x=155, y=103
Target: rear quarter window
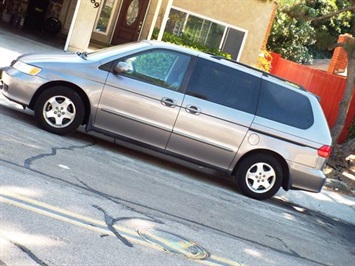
x=285, y=106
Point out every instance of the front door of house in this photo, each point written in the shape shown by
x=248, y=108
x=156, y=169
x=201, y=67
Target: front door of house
x=130, y=21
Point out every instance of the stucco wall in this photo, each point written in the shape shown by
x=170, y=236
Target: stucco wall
x=149, y=18
x=83, y=27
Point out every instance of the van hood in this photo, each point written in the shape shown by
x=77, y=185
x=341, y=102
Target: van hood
x=60, y=57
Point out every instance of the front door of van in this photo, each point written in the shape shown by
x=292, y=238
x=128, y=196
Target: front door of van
x=130, y=21
x=143, y=103
x=216, y=114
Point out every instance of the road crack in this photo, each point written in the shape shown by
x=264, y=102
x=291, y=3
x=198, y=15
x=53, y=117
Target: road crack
x=294, y=253
x=119, y=202
x=285, y=245
x=28, y=162
x=26, y=251
x=110, y=225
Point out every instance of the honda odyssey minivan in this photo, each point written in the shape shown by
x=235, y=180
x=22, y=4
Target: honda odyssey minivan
x=264, y=131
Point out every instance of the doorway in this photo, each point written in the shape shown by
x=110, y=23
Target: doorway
x=36, y=12
x=130, y=21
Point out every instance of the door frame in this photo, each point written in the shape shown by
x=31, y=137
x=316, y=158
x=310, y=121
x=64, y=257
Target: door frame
x=106, y=37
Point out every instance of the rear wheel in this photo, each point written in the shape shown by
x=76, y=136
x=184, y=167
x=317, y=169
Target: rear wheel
x=59, y=110
x=259, y=176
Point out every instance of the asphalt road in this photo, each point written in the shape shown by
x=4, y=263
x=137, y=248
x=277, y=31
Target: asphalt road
x=83, y=200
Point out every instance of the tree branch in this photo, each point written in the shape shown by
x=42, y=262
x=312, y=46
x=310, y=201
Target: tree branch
x=331, y=14
x=336, y=45
x=344, y=104
x=327, y=16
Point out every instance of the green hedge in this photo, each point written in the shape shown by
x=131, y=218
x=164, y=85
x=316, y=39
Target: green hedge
x=184, y=41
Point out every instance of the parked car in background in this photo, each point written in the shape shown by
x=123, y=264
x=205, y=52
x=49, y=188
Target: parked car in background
x=264, y=131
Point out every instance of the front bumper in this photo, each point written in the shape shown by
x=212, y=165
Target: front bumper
x=17, y=86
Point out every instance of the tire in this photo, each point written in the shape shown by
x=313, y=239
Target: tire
x=259, y=176
x=52, y=25
x=59, y=110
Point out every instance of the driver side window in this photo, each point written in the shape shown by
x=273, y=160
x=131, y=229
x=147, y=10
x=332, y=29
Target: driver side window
x=162, y=68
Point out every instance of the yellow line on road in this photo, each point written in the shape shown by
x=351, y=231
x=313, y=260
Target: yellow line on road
x=91, y=224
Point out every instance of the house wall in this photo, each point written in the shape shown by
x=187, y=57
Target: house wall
x=79, y=37
x=251, y=15
x=152, y=8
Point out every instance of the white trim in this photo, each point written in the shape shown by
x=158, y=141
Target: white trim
x=208, y=18
x=110, y=21
x=226, y=30
x=242, y=46
x=72, y=25
x=154, y=21
x=165, y=19
x=208, y=32
x=144, y=19
x=185, y=21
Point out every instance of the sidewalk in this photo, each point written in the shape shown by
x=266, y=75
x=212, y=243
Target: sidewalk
x=329, y=203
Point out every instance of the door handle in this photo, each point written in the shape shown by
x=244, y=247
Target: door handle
x=168, y=102
x=191, y=109
x=139, y=27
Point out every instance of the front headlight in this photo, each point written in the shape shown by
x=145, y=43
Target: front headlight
x=25, y=68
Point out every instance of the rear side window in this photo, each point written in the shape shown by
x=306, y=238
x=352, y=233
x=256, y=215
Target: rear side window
x=224, y=85
x=284, y=106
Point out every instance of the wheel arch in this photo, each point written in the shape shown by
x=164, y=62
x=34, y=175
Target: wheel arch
x=286, y=182
x=72, y=86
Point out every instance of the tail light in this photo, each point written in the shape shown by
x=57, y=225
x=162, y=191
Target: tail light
x=325, y=151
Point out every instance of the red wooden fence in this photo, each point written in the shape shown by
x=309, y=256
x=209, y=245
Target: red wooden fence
x=330, y=88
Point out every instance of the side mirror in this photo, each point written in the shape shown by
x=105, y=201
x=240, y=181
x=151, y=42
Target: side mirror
x=121, y=68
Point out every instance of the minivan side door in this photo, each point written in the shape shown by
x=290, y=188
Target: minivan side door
x=217, y=111
x=143, y=102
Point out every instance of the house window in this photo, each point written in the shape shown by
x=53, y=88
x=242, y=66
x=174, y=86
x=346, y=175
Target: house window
x=206, y=31
x=132, y=12
x=104, y=18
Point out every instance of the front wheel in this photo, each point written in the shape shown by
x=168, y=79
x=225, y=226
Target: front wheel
x=59, y=110
x=259, y=176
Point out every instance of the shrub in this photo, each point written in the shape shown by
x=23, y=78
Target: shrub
x=264, y=61
x=184, y=41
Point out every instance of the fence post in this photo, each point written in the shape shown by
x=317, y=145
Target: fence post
x=339, y=59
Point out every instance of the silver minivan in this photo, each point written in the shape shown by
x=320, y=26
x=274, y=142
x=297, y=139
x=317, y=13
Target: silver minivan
x=264, y=131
